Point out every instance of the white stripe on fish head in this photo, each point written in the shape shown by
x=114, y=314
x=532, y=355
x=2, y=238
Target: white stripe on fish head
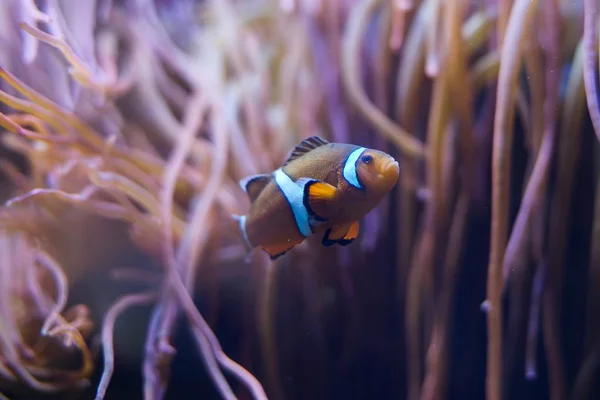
x=294, y=194
x=350, y=174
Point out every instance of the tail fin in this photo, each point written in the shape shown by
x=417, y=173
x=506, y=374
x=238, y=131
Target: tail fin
x=241, y=220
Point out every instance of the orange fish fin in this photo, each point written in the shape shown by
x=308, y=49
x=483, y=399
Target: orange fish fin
x=277, y=250
x=254, y=185
x=304, y=147
x=320, y=199
x=341, y=234
x=351, y=234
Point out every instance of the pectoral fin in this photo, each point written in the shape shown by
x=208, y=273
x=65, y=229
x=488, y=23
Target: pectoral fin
x=321, y=199
x=341, y=234
x=278, y=250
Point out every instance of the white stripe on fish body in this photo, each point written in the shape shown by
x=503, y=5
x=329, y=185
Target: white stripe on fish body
x=350, y=173
x=294, y=194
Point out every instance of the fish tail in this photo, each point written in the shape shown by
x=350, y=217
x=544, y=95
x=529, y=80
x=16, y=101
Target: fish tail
x=241, y=220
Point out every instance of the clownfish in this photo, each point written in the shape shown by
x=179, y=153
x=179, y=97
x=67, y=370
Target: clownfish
x=321, y=188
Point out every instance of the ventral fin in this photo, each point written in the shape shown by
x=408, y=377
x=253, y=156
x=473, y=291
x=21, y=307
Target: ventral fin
x=304, y=147
x=278, y=250
x=351, y=234
x=341, y=234
x=253, y=185
x=320, y=199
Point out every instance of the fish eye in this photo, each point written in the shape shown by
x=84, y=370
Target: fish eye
x=367, y=159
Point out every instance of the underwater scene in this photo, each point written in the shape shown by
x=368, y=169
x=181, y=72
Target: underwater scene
x=299, y=199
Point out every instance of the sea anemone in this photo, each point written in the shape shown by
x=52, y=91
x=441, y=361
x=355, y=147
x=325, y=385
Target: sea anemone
x=125, y=127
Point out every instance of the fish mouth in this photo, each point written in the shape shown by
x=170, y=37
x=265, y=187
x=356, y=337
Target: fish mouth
x=389, y=173
x=391, y=169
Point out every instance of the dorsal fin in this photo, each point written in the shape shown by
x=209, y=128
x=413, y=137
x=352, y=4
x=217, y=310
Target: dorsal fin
x=305, y=146
x=253, y=185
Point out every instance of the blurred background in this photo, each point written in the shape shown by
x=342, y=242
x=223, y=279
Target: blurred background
x=125, y=127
